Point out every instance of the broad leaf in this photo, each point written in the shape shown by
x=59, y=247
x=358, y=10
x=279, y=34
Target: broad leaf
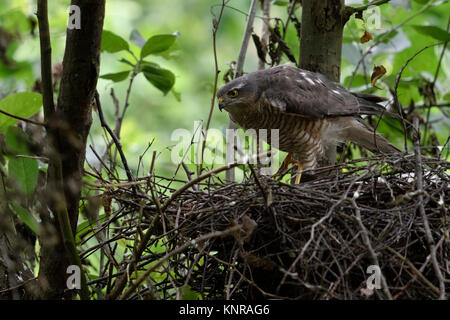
x=125, y=61
x=434, y=32
x=148, y=63
x=280, y=3
x=23, y=104
x=157, y=44
x=176, y=94
x=26, y=217
x=116, y=77
x=162, y=79
x=112, y=43
x=23, y=171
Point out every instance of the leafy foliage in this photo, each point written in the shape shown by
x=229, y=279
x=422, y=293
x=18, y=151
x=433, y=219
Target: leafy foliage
x=113, y=43
x=160, y=78
x=22, y=170
x=23, y=104
x=157, y=44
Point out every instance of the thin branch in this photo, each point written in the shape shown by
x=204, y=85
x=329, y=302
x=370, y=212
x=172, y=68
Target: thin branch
x=46, y=60
x=291, y=11
x=313, y=228
x=438, y=105
x=436, y=73
x=216, y=23
x=22, y=119
x=214, y=234
x=127, y=98
x=416, y=272
x=396, y=103
x=438, y=68
x=368, y=244
x=245, y=40
x=203, y=177
x=114, y=137
x=239, y=71
x=265, y=32
x=385, y=36
x=426, y=224
x=352, y=10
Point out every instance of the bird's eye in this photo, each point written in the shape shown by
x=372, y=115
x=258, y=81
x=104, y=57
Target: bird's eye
x=233, y=93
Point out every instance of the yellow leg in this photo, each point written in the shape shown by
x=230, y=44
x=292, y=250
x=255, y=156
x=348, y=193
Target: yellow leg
x=299, y=171
x=288, y=160
x=284, y=165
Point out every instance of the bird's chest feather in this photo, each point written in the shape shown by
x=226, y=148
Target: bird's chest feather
x=289, y=126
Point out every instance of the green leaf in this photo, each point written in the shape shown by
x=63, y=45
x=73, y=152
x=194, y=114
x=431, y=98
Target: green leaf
x=432, y=31
x=137, y=38
x=26, y=217
x=157, y=44
x=16, y=20
x=176, y=94
x=87, y=227
x=190, y=294
x=23, y=171
x=126, y=62
x=116, y=77
x=23, y=104
x=387, y=36
x=357, y=81
x=112, y=43
x=149, y=63
x=16, y=141
x=280, y=3
x=162, y=79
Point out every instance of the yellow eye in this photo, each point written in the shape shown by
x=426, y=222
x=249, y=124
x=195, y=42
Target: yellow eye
x=233, y=93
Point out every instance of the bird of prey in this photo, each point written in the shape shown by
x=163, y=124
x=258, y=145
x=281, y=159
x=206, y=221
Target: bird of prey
x=312, y=113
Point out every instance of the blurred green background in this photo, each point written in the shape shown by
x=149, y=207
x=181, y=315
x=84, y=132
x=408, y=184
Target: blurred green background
x=153, y=116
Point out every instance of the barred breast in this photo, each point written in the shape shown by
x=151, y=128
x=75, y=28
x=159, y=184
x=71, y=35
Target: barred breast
x=299, y=135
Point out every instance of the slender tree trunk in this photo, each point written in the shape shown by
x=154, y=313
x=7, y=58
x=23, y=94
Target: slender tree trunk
x=70, y=127
x=321, y=37
x=321, y=42
x=81, y=66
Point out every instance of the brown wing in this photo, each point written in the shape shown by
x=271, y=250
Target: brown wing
x=311, y=94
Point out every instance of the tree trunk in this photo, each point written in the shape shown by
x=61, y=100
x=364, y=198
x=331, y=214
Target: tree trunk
x=71, y=125
x=321, y=43
x=321, y=37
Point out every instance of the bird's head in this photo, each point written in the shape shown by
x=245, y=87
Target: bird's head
x=237, y=94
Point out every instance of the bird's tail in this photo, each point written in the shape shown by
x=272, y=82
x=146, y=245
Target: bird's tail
x=364, y=135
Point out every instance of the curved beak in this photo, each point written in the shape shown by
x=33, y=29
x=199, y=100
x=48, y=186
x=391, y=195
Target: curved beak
x=221, y=103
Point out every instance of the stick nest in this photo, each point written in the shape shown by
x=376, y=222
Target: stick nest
x=266, y=239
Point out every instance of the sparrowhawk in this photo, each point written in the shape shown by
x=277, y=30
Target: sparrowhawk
x=312, y=113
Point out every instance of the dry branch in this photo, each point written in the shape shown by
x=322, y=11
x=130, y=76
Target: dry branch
x=266, y=239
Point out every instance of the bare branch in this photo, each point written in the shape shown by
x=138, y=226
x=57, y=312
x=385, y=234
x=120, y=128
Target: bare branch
x=247, y=33
x=351, y=10
x=142, y=277
x=239, y=72
x=46, y=60
x=22, y=119
x=426, y=224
